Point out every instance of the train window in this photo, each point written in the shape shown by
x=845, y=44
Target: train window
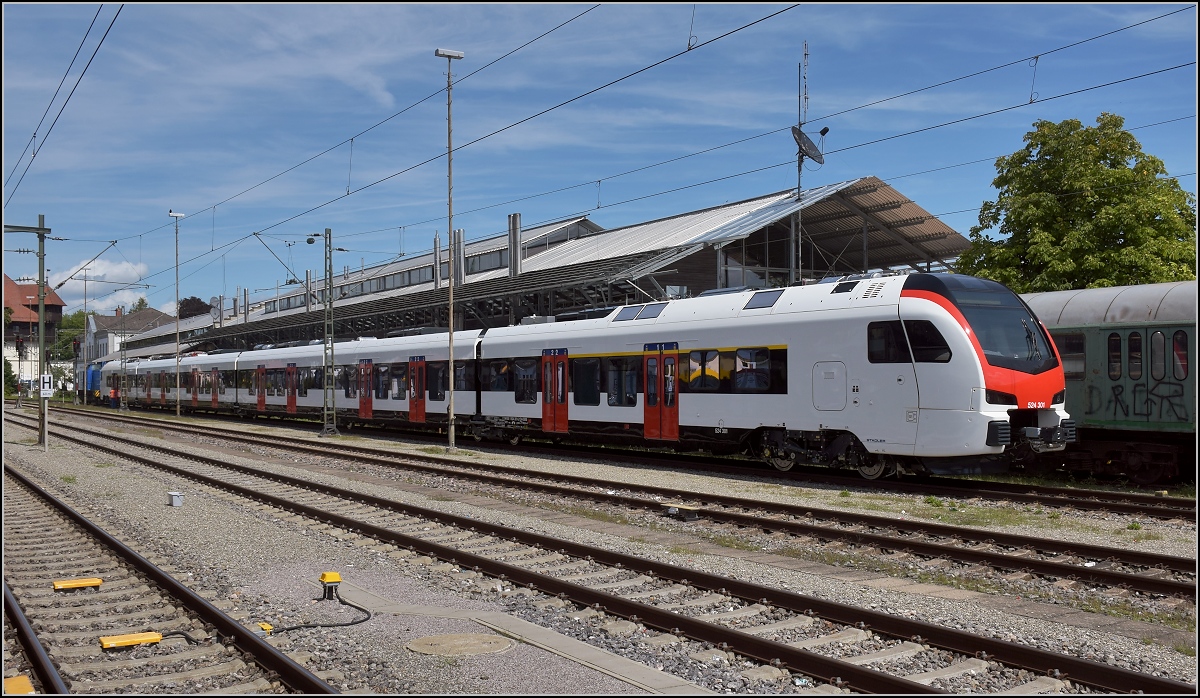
x=1114, y=356
x=886, y=343
x=547, y=383
x=651, y=311
x=525, y=381
x=436, y=379
x=303, y=380
x=560, y=381
x=1073, y=349
x=704, y=372
x=669, y=386
x=1158, y=356
x=495, y=376
x=464, y=375
x=347, y=378
x=1180, y=363
x=763, y=299
x=752, y=371
x=623, y=380
x=398, y=374
x=652, y=382
x=585, y=381
x=628, y=313
x=1135, y=355
x=383, y=382
x=928, y=345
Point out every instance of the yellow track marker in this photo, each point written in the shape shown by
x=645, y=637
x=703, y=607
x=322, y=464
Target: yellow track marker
x=110, y=641
x=77, y=583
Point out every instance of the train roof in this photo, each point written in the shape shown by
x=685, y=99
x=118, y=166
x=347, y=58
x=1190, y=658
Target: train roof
x=1173, y=302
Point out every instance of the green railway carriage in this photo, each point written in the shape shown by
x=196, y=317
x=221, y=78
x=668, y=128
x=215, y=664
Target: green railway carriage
x=1129, y=354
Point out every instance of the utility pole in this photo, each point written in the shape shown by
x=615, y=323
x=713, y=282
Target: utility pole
x=450, y=57
x=328, y=406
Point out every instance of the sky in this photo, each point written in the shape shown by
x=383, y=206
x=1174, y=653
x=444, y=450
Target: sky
x=264, y=124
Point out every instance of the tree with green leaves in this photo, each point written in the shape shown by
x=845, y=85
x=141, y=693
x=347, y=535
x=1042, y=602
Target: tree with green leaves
x=1083, y=207
x=192, y=306
x=10, y=380
x=140, y=304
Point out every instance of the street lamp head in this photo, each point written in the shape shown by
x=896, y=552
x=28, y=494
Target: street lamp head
x=172, y=214
x=447, y=53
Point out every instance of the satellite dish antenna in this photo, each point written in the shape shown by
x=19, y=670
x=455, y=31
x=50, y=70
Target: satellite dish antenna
x=807, y=147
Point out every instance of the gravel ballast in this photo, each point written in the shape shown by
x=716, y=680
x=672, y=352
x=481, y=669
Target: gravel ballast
x=264, y=567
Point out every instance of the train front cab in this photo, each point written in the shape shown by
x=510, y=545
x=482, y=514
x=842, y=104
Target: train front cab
x=1017, y=386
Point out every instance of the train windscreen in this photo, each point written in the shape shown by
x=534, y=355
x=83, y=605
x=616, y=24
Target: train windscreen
x=1007, y=331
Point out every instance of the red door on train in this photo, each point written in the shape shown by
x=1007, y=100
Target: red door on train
x=195, y=387
x=215, y=381
x=260, y=385
x=660, y=364
x=366, y=388
x=289, y=385
x=416, y=389
x=554, y=391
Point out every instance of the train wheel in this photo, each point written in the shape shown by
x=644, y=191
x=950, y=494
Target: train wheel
x=877, y=469
x=783, y=463
x=1144, y=471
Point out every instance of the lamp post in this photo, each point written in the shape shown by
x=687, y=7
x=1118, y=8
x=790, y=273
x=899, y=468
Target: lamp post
x=176, y=216
x=450, y=57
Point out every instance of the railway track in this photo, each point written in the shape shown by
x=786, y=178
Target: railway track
x=767, y=630
x=871, y=535
x=161, y=637
x=1131, y=503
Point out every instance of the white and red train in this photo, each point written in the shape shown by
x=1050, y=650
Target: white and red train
x=924, y=373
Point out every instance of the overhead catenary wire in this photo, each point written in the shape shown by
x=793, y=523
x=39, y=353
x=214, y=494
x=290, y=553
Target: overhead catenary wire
x=67, y=72
x=847, y=148
x=64, y=104
x=681, y=157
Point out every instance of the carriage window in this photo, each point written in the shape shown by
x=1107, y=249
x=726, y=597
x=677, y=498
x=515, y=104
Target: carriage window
x=436, y=379
x=1135, y=355
x=651, y=311
x=547, y=383
x=1180, y=363
x=928, y=345
x=1073, y=349
x=1158, y=356
x=704, y=373
x=652, y=382
x=886, y=343
x=585, y=381
x=525, y=381
x=398, y=374
x=1114, y=356
x=560, y=381
x=495, y=376
x=669, y=388
x=752, y=371
x=464, y=375
x=383, y=382
x=623, y=376
x=628, y=313
x=303, y=380
x=763, y=299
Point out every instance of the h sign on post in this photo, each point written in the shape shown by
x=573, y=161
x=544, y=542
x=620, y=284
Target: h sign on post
x=47, y=385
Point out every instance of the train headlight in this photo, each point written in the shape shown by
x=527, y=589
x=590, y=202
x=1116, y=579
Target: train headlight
x=1059, y=398
x=995, y=397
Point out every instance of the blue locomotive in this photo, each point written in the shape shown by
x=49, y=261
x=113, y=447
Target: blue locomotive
x=1127, y=353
